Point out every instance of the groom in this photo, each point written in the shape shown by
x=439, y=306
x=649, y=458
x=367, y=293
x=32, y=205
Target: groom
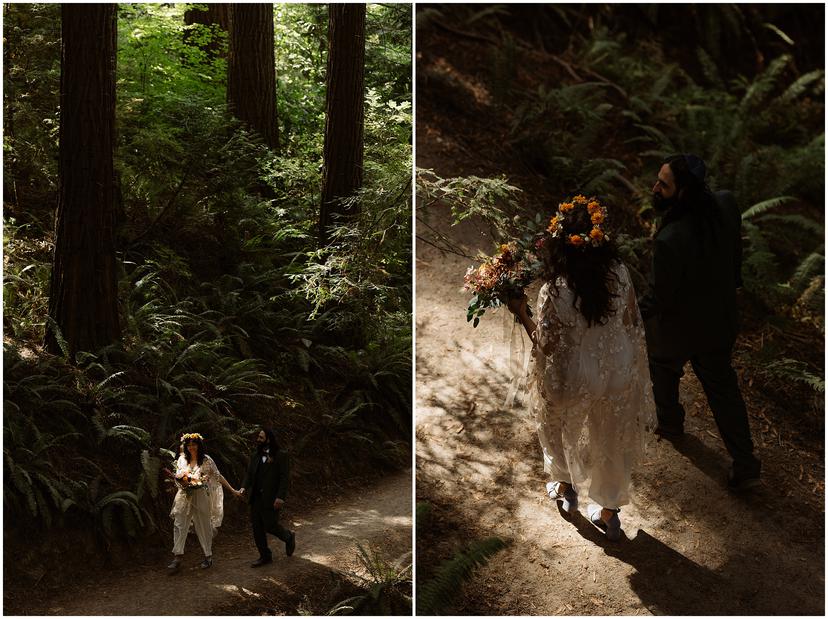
x=689, y=309
x=267, y=483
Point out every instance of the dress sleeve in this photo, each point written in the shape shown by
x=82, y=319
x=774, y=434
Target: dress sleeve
x=181, y=465
x=216, y=491
x=546, y=332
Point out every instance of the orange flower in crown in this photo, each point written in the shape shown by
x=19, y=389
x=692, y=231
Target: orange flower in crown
x=597, y=216
x=192, y=436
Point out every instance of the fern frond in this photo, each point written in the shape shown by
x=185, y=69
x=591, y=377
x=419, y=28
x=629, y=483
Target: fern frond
x=813, y=264
x=435, y=595
x=764, y=84
x=797, y=371
x=801, y=85
x=766, y=205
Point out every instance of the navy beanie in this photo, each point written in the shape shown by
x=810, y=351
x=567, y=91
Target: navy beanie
x=696, y=166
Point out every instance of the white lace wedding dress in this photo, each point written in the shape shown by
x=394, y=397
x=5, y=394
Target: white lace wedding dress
x=590, y=392
x=201, y=509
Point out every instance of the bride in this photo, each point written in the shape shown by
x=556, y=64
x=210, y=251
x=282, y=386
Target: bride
x=589, y=383
x=199, y=501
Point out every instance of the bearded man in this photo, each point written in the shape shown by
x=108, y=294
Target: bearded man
x=690, y=311
x=266, y=484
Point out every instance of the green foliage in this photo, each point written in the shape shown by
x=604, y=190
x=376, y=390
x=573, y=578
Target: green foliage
x=31, y=59
x=435, y=595
x=231, y=317
x=387, y=586
x=797, y=371
x=424, y=516
x=489, y=200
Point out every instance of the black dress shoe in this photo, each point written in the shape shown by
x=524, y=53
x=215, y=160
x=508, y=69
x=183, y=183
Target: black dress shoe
x=208, y=562
x=261, y=561
x=290, y=545
x=743, y=481
x=174, y=566
x=671, y=434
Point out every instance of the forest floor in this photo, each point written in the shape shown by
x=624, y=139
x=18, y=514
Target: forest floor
x=689, y=547
x=322, y=572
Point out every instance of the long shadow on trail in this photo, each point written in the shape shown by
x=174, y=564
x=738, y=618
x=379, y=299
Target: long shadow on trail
x=658, y=571
x=738, y=526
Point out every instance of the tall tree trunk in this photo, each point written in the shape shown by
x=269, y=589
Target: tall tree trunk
x=344, y=112
x=216, y=14
x=83, y=292
x=251, y=70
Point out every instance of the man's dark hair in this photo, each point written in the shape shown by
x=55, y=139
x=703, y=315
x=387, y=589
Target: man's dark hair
x=693, y=195
x=271, y=438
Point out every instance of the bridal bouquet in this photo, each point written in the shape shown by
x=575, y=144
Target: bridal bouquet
x=190, y=484
x=499, y=278
x=194, y=484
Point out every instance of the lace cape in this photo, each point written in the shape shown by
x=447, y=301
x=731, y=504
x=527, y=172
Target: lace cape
x=183, y=500
x=590, y=390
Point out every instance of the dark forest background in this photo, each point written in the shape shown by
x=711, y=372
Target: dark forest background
x=234, y=308
x=524, y=105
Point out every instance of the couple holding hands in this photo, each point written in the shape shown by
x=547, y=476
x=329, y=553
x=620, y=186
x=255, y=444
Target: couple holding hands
x=199, y=501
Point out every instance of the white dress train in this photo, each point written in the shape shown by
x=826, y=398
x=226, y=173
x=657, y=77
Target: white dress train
x=590, y=391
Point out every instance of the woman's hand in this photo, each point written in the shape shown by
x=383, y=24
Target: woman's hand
x=518, y=306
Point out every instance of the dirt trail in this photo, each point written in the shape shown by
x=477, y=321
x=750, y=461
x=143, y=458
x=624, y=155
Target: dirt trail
x=326, y=543
x=690, y=547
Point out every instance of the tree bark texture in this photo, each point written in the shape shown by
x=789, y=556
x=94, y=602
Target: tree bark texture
x=83, y=292
x=344, y=112
x=251, y=70
x=217, y=14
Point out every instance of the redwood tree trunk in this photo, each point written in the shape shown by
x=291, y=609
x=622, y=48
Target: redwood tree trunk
x=83, y=292
x=251, y=70
x=344, y=113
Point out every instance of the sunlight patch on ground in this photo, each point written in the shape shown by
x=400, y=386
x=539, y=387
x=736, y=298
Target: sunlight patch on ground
x=236, y=590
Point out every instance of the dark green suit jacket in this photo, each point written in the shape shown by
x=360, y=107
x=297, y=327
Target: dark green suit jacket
x=272, y=480
x=690, y=305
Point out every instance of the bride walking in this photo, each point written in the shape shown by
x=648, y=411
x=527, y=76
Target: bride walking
x=199, y=501
x=589, y=382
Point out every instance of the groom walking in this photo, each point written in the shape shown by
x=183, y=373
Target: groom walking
x=267, y=483
x=689, y=309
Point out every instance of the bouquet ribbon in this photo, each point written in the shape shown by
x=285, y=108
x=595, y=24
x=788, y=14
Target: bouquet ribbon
x=518, y=359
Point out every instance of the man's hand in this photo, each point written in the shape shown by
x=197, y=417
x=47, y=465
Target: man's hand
x=278, y=503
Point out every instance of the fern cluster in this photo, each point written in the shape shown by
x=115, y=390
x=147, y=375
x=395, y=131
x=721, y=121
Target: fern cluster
x=387, y=586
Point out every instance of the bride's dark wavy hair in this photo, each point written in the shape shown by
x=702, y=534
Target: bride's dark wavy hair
x=586, y=269
x=201, y=450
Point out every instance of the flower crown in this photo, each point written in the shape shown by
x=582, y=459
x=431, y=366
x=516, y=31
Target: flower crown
x=597, y=215
x=192, y=436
